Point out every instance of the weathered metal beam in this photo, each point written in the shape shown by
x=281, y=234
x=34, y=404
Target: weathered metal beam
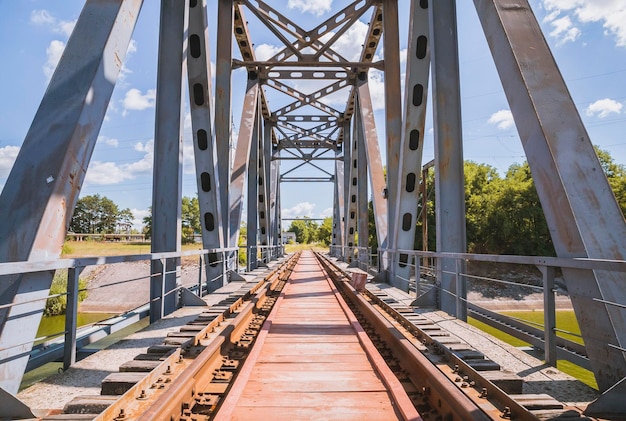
x=263, y=186
x=205, y=149
x=41, y=191
x=168, y=156
x=242, y=155
x=580, y=208
x=365, y=112
x=393, y=107
x=223, y=104
x=449, y=180
x=253, y=192
x=269, y=65
x=411, y=143
x=361, y=194
x=351, y=216
x=338, y=205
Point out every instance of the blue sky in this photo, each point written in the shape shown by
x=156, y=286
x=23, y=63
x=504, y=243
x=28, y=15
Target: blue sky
x=588, y=40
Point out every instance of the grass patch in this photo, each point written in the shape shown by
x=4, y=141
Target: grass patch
x=565, y=320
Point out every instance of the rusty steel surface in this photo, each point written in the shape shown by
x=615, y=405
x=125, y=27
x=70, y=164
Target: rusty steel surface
x=447, y=386
x=205, y=148
x=42, y=189
x=449, y=179
x=580, y=208
x=191, y=378
x=411, y=144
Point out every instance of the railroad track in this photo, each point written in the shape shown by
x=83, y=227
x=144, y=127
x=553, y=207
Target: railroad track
x=189, y=376
x=446, y=379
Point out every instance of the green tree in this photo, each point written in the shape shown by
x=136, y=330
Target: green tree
x=190, y=219
x=97, y=215
x=147, y=224
x=305, y=230
x=325, y=231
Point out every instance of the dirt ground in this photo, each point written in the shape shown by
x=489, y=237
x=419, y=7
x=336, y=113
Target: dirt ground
x=121, y=287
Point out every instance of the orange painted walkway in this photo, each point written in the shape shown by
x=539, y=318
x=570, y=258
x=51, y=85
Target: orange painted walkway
x=311, y=362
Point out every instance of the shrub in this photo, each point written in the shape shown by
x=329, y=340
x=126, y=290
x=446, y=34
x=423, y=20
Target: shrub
x=57, y=305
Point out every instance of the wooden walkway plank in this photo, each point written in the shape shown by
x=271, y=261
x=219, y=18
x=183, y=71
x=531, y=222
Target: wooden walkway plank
x=310, y=361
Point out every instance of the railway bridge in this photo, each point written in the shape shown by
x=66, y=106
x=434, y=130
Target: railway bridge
x=290, y=113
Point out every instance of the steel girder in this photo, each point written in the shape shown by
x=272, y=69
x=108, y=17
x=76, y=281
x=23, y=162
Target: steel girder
x=367, y=129
x=264, y=189
x=351, y=189
x=242, y=155
x=205, y=150
x=449, y=179
x=338, y=207
x=393, y=109
x=168, y=156
x=42, y=189
x=223, y=104
x=253, y=191
x=411, y=143
x=580, y=208
x=361, y=196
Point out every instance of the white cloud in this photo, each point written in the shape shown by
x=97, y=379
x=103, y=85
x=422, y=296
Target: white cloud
x=264, y=51
x=8, y=154
x=299, y=210
x=44, y=18
x=138, y=215
x=132, y=49
x=610, y=13
x=135, y=100
x=564, y=30
x=107, y=173
x=326, y=213
x=349, y=45
x=603, y=107
x=53, y=54
x=316, y=7
x=108, y=141
x=503, y=119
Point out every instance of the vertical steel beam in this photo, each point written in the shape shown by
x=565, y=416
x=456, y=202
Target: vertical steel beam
x=411, y=143
x=352, y=191
x=254, y=190
x=449, y=181
x=347, y=165
x=41, y=191
x=242, y=155
x=367, y=129
x=265, y=138
x=223, y=59
x=168, y=154
x=393, y=107
x=205, y=152
x=71, y=317
x=361, y=195
x=339, y=204
x=274, y=190
x=580, y=208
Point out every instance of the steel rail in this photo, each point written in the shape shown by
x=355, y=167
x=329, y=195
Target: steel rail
x=170, y=389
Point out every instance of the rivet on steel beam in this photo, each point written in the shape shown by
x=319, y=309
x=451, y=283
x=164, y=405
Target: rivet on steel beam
x=121, y=415
x=506, y=413
x=483, y=393
x=142, y=396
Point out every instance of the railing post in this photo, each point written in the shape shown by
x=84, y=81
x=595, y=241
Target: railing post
x=71, y=317
x=225, y=264
x=200, y=275
x=461, y=306
x=549, y=315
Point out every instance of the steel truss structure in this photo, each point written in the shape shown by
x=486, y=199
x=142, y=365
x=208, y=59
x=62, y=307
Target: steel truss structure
x=310, y=129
